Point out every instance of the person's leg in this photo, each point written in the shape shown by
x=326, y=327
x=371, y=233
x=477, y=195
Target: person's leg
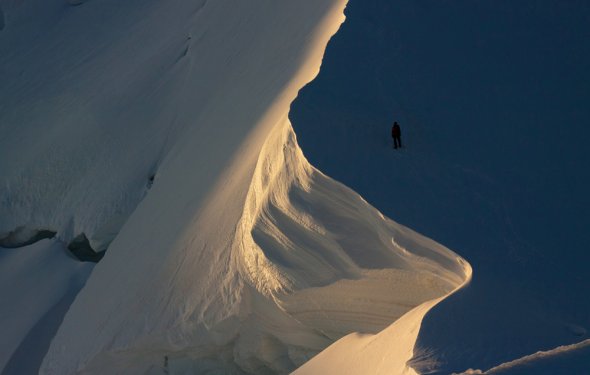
x=395, y=142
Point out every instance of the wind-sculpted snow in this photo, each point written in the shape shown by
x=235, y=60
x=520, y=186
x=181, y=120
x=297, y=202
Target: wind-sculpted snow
x=326, y=256
x=309, y=262
x=160, y=130
x=494, y=162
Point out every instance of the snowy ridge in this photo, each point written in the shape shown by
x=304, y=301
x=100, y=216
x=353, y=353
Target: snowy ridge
x=390, y=351
x=529, y=359
x=292, y=280
x=326, y=256
x=241, y=257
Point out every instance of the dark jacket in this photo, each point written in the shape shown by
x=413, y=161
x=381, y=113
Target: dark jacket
x=396, y=131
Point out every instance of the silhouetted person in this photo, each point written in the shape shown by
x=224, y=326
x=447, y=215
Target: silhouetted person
x=396, y=134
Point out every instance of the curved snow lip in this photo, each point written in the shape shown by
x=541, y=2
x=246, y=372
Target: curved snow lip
x=388, y=352
x=245, y=258
x=186, y=305
x=327, y=257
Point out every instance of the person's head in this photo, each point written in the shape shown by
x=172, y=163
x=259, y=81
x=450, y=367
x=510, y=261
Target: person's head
x=395, y=123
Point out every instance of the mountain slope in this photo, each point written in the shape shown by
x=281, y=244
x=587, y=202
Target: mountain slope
x=160, y=132
x=492, y=101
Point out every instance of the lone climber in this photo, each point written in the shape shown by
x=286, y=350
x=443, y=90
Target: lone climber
x=396, y=134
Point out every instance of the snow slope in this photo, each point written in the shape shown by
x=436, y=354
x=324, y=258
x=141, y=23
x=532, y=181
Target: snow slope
x=492, y=98
x=160, y=131
x=563, y=359
x=37, y=285
x=387, y=352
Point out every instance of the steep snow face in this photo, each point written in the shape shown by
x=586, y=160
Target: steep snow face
x=336, y=263
x=100, y=93
x=305, y=262
x=241, y=257
x=90, y=94
x=492, y=98
x=387, y=352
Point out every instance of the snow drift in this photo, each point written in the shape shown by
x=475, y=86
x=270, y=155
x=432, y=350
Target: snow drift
x=165, y=138
x=306, y=262
x=480, y=89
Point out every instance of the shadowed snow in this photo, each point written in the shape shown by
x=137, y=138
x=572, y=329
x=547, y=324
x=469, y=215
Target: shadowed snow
x=241, y=257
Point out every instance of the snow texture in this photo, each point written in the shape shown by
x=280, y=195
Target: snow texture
x=288, y=282
x=492, y=98
x=37, y=285
x=160, y=132
x=530, y=359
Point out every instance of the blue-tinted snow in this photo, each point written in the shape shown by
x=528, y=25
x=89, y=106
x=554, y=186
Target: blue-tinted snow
x=493, y=100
